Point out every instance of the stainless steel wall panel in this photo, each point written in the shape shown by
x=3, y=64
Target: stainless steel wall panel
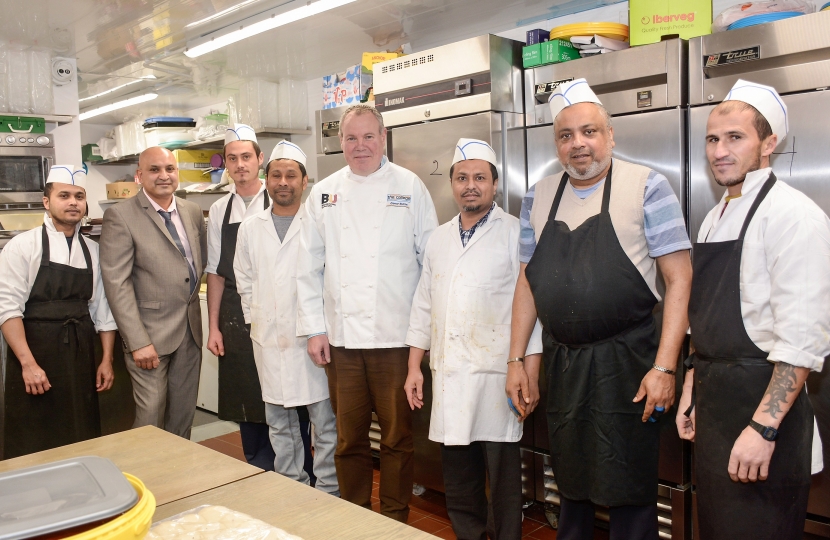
x=794, y=57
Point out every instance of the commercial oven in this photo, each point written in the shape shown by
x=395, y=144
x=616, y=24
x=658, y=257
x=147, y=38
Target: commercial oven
x=329, y=154
x=793, y=56
x=429, y=100
x=645, y=91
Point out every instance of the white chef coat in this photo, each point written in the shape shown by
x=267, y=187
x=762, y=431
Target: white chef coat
x=266, y=279
x=20, y=263
x=216, y=215
x=785, y=283
x=369, y=232
x=461, y=313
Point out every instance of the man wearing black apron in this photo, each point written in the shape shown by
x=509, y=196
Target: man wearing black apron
x=593, y=239
x=759, y=324
x=240, y=394
x=51, y=305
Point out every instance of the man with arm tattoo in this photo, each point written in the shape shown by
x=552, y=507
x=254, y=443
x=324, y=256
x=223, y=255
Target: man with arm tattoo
x=759, y=324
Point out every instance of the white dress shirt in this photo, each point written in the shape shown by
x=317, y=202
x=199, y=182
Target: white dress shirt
x=785, y=281
x=20, y=263
x=360, y=256
x=177, y=222
x=239, y=213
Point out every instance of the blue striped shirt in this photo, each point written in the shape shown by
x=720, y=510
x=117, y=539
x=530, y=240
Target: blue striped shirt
x=665, y=227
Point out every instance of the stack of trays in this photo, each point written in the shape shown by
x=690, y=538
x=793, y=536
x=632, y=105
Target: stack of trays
x=762, y=18
x=605, y=29
x=169, y=131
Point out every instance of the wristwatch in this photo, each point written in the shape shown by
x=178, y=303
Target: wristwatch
x=768, y=433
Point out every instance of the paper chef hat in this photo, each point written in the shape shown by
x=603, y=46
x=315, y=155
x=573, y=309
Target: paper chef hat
x=473, y=149
x=571, y=93
x=287, y=150
x=766, y=100
x=240, y=132
x=67, y=174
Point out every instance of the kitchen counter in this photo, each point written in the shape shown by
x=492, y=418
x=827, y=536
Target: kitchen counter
x=183, y=475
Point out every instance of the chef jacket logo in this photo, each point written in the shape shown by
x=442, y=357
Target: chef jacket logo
x=329, y=199
x=398, y=200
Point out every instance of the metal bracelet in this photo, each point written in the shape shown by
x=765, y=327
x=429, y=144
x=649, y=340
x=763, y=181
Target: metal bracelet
x=516, y=359
x=664, y=370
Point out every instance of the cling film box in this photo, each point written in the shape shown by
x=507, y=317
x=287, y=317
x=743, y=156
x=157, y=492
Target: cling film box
x=549, y=52
x=649, y=20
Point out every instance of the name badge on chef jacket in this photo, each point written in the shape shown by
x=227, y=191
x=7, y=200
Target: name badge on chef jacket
x=398, y=200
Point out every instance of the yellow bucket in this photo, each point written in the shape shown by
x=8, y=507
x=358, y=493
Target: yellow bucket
x=132, y=524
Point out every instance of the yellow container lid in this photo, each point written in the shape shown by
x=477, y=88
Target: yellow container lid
x=605, y=29
x=132, y=524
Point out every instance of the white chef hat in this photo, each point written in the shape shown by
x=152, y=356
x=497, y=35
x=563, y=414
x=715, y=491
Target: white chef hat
x=240, y=132
x=571, y=93
x=288, y=150
x=67, y=174
x=766, y=100
x=473, y=149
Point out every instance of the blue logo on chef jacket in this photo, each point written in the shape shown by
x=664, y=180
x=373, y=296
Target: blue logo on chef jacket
x=398, y=200
x=329, y=199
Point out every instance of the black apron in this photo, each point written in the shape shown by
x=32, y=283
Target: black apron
x=61, y=335
x=731, y=378
x=240, y=394
x=600, y=340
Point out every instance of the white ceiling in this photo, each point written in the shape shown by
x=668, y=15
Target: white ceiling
x=112, y=35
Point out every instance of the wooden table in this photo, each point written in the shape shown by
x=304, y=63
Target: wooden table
x=172, y=468
x=297, y=509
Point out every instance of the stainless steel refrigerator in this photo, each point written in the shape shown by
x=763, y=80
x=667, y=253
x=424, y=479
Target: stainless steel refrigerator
x=645, y=90
x=793, y=56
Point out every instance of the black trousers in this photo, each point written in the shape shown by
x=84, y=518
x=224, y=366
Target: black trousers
x=466, y=469
x=256, y=445
x=576, y=521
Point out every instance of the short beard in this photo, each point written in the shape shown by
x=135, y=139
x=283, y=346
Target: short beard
x=64, y=223
x=284, y=203
x=471, y=208
x=729, y=182
x=591, y=171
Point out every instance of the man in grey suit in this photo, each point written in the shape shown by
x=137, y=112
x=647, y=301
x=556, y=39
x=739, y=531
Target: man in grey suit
x=153, y=253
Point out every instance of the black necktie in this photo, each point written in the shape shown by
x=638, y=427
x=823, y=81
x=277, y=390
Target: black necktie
x=178, y=241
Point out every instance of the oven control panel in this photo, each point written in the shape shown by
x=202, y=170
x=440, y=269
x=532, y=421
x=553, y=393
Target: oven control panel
x=37, y=140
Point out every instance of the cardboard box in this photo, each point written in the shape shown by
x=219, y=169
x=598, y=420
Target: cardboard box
x=194, y=175
x=537, y=36
x=558, y=50
x=347, y=88
x=372, y=58
x=194, y=159
x=122, y=190
x=651, y=19
x=532, y=56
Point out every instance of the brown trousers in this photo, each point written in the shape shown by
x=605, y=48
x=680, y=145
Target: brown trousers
x=362, y=381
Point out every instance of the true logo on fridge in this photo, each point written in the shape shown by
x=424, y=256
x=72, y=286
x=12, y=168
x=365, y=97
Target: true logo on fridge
x=329, y=199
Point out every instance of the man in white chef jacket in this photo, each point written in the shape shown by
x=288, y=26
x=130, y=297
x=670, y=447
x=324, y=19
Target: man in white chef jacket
x=461, y=313
x=759, y=323
x=362, y=246
x=52, y=303
x=265, y=266
x=239, y=392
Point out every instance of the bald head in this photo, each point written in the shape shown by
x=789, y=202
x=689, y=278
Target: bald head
x=158, y=174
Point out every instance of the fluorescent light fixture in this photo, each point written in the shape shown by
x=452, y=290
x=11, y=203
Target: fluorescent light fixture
x=221, y=13
x=119, y=87
x=117, y=105
x=261, y=23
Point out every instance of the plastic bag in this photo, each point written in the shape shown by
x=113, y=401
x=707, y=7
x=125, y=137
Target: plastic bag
x=747, y=9
x=215, y=523
x=20, y=99
x=41, y=81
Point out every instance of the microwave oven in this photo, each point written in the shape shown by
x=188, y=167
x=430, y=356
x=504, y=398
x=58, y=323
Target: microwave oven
x=25, y=160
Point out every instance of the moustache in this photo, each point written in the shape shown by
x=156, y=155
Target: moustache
x=471, y=192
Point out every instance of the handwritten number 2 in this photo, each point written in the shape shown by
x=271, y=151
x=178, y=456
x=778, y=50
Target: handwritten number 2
x=435, y=172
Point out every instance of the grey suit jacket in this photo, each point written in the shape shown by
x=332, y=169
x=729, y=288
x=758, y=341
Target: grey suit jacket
x=146, y=277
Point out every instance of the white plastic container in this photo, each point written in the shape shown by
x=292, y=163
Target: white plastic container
x=167, y=135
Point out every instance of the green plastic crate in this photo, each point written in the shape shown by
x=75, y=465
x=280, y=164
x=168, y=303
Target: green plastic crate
x=24, y=124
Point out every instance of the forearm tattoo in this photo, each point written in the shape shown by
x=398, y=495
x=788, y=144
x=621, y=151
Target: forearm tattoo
x=782, y=383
